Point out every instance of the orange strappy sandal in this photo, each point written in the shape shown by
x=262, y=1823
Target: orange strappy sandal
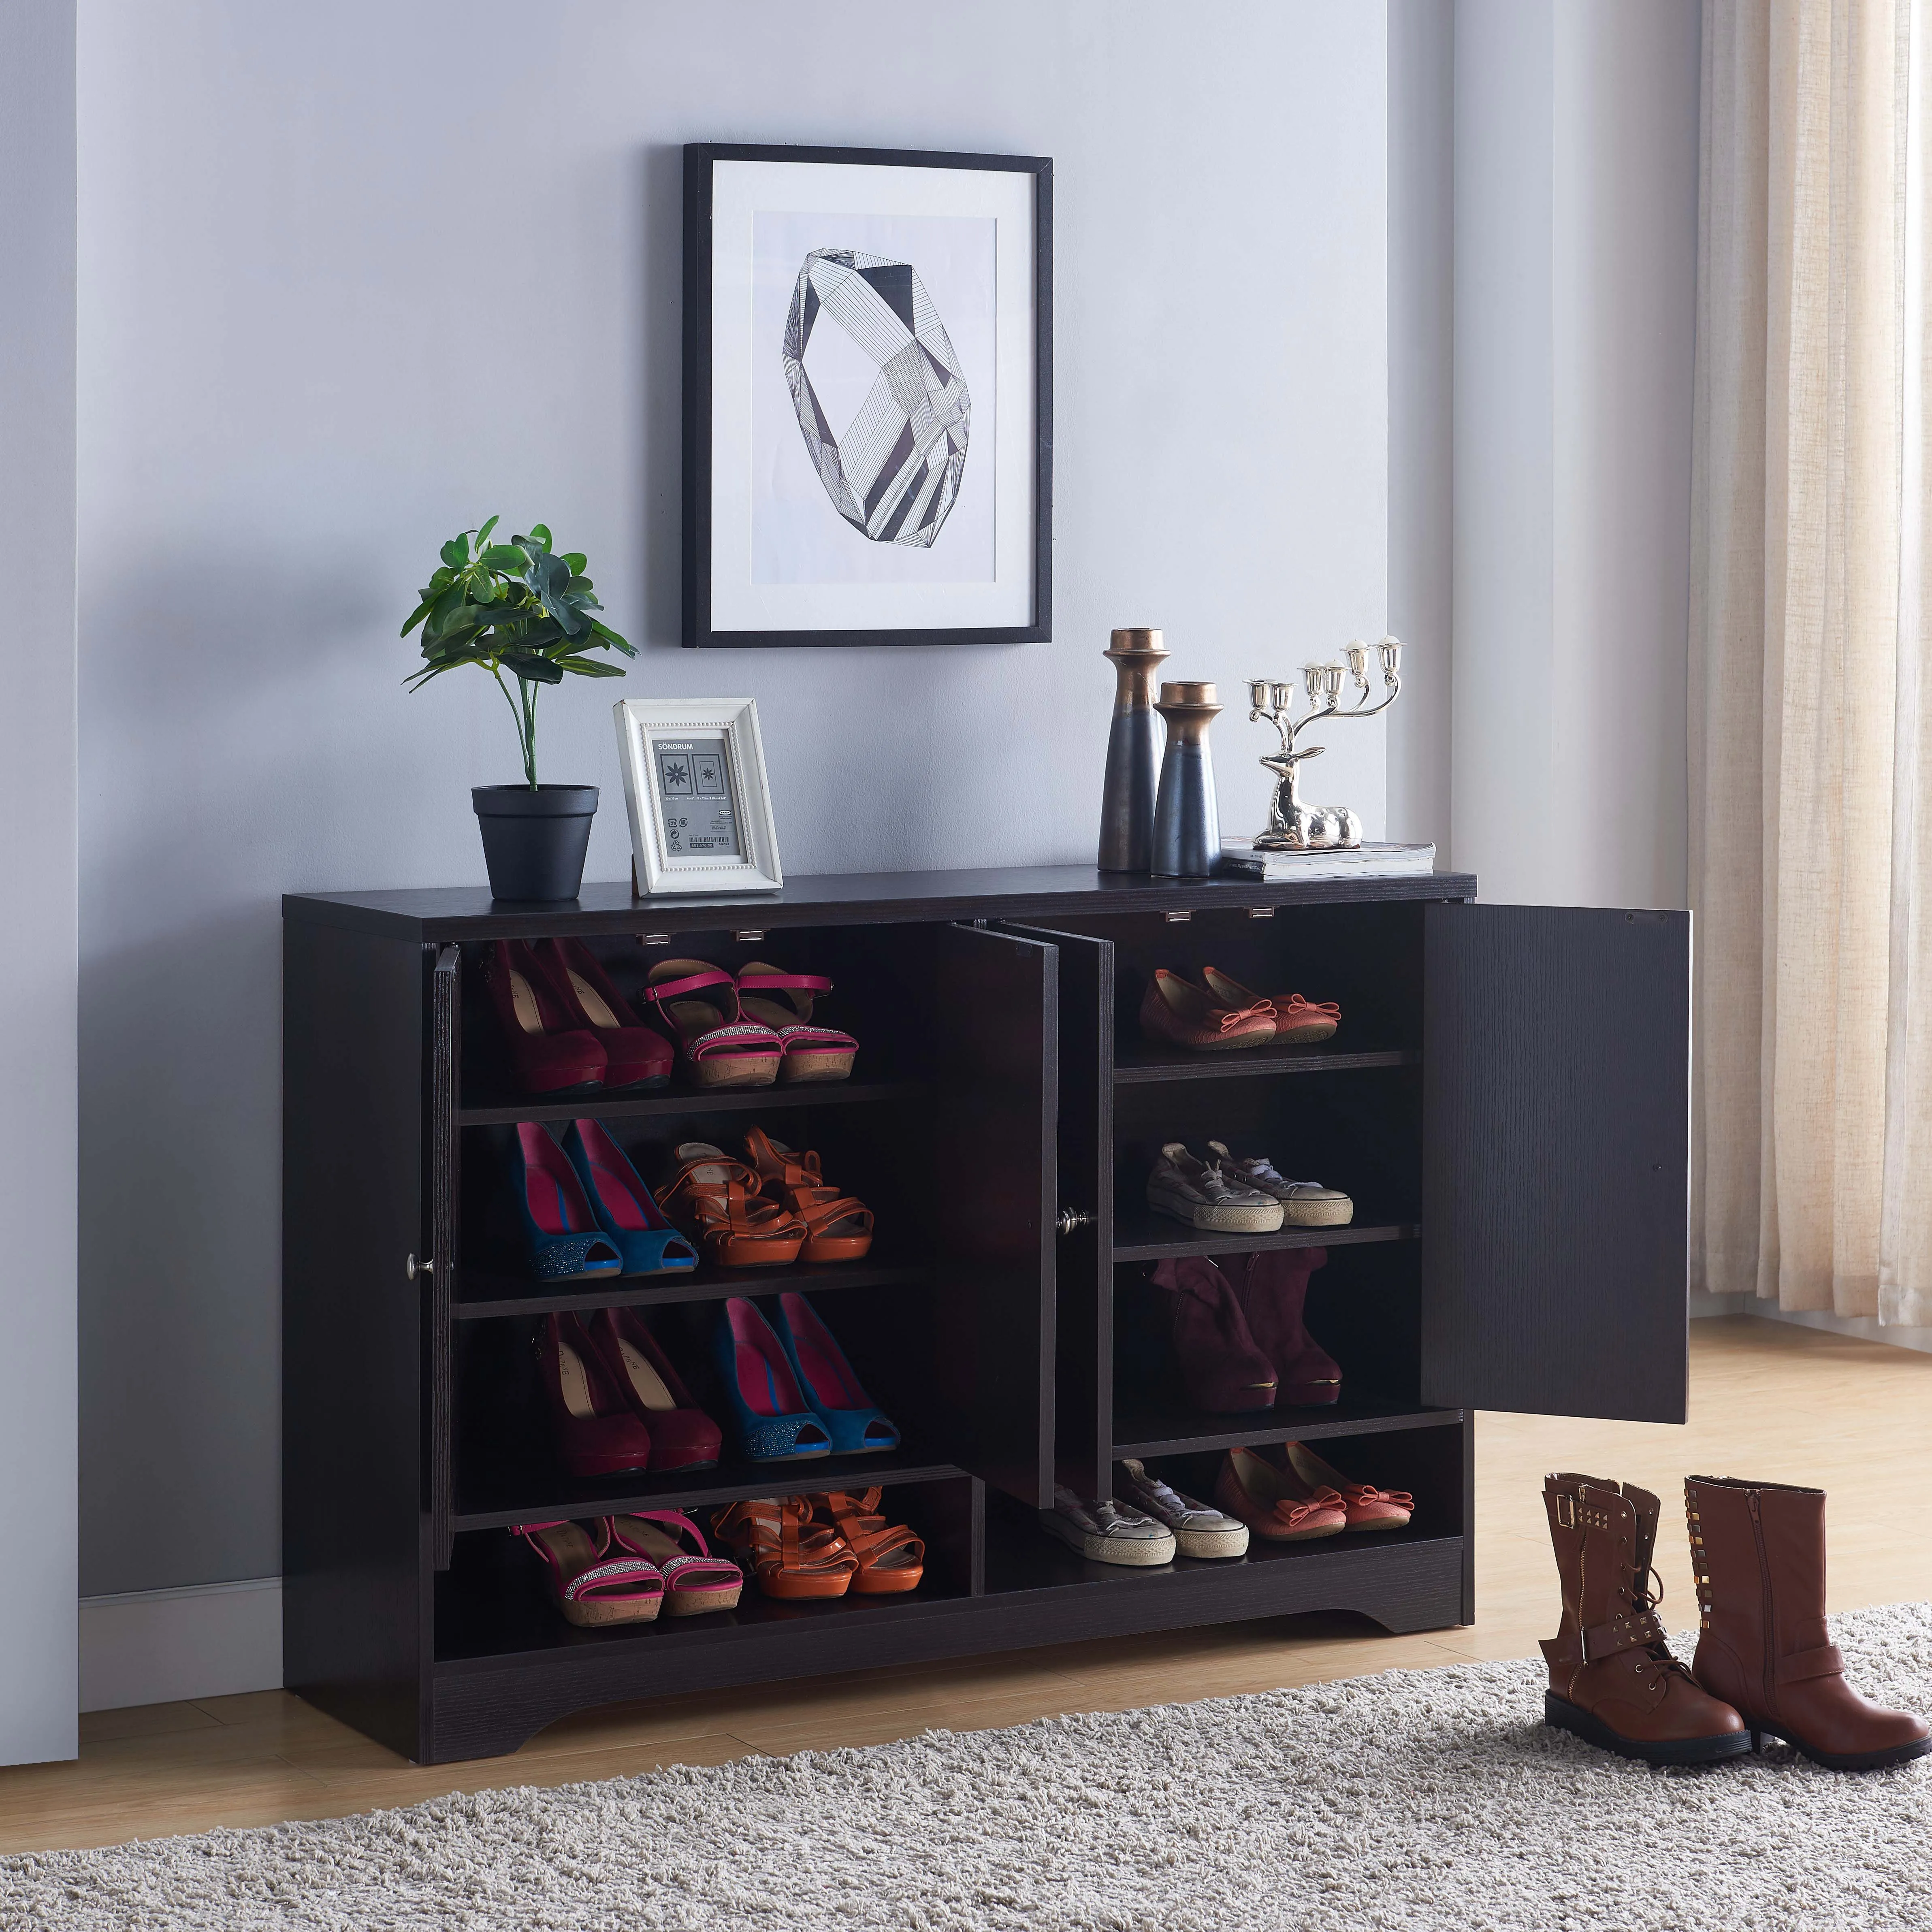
x=792, y=1557
x=838, y=1227
x=810, y=1052
x=718, y=1198
x=891, y=1558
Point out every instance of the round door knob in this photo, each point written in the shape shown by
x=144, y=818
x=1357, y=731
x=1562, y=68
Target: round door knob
x=413, y=1268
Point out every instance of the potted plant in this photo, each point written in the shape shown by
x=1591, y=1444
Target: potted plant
x=516, y=607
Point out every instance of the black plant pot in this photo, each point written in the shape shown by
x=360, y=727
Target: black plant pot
x=534, y=841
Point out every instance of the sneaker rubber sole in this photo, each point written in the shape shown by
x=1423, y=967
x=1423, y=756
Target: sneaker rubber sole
x=1139, y=1553
x=1259, y=1217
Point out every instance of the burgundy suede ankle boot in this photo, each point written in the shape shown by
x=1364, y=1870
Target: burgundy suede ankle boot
x=1272, y=1288
x=1222, y=1369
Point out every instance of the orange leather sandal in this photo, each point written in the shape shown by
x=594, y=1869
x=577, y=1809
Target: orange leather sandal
x=775, y=1539
x=891, y=1558
x=810, y=1052
x=717, y=1197
x=838, y=1227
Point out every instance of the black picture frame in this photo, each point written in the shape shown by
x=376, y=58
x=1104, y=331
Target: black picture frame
x=699, y=161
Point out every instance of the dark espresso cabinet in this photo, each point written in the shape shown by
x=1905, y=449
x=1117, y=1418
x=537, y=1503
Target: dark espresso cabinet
x=1506, y=1102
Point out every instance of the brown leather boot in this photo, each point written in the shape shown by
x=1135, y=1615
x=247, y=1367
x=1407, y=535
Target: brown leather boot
x=1612, y=1679
x=1758, y=1549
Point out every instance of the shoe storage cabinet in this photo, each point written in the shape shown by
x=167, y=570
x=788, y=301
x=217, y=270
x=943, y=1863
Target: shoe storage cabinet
x=1505, y=1101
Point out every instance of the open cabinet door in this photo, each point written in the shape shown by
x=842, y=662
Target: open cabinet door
x=1556, y=1165
x=994, y=1121
x=1084, y=1295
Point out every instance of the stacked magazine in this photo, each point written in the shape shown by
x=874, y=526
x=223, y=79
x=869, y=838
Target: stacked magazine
x=1240, y=860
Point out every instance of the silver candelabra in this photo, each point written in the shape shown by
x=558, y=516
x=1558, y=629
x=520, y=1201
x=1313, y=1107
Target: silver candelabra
x=1293, y=827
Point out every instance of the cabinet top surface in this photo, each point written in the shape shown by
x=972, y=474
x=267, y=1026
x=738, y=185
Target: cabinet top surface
x=835, y=898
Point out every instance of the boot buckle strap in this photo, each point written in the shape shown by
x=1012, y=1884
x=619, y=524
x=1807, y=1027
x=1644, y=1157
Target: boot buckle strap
x=1566, y=1510
x=1823, y=1662
x=1633, y=1632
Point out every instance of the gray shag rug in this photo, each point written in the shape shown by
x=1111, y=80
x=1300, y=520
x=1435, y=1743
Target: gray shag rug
x=1432, y=1799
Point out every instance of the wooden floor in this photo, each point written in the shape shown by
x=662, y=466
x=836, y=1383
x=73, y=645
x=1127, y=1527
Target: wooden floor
x=1768, y=1400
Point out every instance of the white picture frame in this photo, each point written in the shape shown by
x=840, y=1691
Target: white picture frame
x=694, y=787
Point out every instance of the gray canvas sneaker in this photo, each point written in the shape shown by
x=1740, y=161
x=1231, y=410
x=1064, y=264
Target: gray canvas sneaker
x=1190, y=1190
x=1107, y=1531
x=1304, y=1204
x=1199, y=1531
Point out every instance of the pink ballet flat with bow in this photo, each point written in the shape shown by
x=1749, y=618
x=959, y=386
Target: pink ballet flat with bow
x=1368, y=1507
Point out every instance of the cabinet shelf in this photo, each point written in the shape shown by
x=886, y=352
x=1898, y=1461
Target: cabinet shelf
x=529, y=1488
x=488, y=1624
x=1021, y=1558
x=506, y=1110
x=1142, y=1235
x=1138, y=1062
x=1171, y=1431
x=482, y=1295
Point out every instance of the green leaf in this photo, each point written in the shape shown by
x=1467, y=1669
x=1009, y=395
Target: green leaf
x=441, y=579
x=504, y=557
x=531, y=668
x=611, y=638
x=483, y=534
x=415, y=618
x=577, y=561
x=549, y=579
x=589, y=667
x=542, y=532
x=448, y=599
x=578, y=586
x=483, y=588
x=456, y=552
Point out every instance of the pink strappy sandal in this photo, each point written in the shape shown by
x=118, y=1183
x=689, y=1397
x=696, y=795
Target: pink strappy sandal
x=591, y=1589
x=717, y=1045
x=693, y=1584
x=810, y=1052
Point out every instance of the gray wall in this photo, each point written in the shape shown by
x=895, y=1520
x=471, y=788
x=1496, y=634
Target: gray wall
x=37, y=820
x=1422, y=255
x=1576, y=275
x=353, y=277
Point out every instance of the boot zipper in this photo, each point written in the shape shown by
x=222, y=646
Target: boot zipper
x=1764, y=1576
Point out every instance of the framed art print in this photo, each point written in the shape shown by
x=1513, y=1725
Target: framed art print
x=694, y=786
x=867, y=397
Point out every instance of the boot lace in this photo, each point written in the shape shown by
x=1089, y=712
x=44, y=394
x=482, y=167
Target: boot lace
x=1645, y=1600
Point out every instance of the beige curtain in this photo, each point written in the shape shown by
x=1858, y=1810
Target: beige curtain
x=1810, y=760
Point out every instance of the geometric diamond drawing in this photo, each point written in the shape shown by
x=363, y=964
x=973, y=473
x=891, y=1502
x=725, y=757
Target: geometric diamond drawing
x=893, y=472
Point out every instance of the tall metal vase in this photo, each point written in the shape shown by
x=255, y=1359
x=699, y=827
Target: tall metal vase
x=1127, y=798
x=1187, y=822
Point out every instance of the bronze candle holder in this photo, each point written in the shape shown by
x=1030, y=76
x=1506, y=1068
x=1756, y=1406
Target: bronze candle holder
x=1127, y=796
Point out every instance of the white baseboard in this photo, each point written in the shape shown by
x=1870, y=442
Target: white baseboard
x=1863, y=1327
x=1703, y=1303
x=167, y=1646
x=1893, y=1334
